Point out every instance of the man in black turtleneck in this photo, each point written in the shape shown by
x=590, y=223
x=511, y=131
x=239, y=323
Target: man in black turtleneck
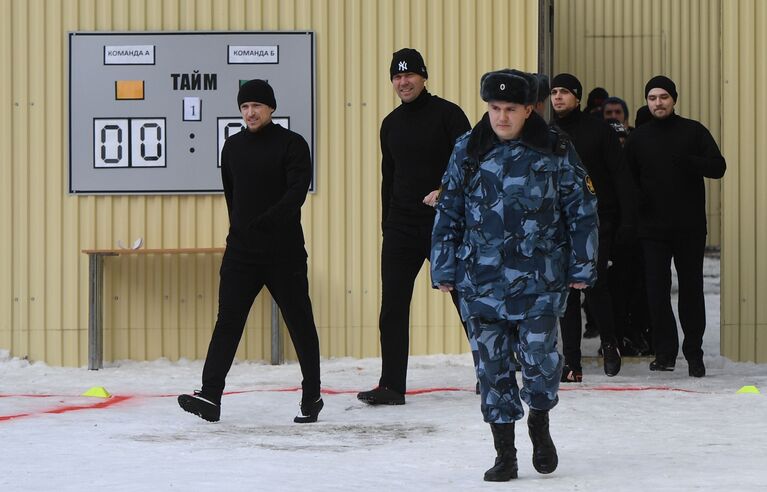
x=668, y=158
x=599, y=150
x=417, y=139
x=266, y=171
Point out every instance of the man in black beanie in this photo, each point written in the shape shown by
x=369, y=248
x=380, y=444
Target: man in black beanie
x=543, y=94
x=595, y=100
x=416, y=141
x=642, y=116
x=600, y=150
x=266, y=171
x=668, y=158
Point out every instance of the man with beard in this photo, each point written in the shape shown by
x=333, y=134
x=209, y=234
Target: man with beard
x=668, y=158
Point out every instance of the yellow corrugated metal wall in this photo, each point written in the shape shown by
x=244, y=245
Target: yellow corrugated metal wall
x=165, y=306
x=744, y=243
x=620, y=44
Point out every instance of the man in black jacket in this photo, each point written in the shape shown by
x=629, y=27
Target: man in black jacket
x=266, y=171
x=417, y=139
x=599, y=150
x=668, y=158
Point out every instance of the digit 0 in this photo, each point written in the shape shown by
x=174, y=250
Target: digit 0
x=118, y=150
x=151, y=138
x=232, y=128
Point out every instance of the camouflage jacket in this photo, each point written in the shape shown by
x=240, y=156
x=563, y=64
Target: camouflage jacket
x=515, y=224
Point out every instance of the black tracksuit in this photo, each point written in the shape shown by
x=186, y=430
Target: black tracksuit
x=266, y=177
x=668, y=160
x=417, y=139
x=598, y=147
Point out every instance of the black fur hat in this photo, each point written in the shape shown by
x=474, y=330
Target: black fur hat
x=509, y=85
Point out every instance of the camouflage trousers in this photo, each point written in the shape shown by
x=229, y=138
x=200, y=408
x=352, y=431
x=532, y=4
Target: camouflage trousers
x=534, y=342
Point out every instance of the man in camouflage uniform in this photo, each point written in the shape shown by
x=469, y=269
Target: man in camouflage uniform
x=515, y=228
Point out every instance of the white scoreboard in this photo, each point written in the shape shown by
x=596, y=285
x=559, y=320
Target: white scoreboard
x=149, y=112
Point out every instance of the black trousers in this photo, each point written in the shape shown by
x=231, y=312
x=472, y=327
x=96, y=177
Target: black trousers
x=240, y=284
x=405, y=247
x=687, y=252
x=627, y=288
x=600, y=304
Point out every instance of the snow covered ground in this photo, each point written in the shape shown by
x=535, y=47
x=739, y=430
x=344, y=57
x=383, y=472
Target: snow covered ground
x=637, y=431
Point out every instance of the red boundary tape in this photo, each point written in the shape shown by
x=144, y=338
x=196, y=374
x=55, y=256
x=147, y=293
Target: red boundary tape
x=114, y=399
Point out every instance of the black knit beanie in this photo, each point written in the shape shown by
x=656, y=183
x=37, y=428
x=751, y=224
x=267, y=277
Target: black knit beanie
x=643, y=115
x=543, y=87
x=661, y=82
x=256, y=90
x=569, y=82
x=407, y=60
x=596, y=98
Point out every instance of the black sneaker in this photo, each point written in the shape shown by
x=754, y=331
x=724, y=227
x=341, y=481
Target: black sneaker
x=660, y=365
x=611, y=359
x=200, y=406
x=309, y=411
x=696, y=369
x=381, y=395
x=571, y=375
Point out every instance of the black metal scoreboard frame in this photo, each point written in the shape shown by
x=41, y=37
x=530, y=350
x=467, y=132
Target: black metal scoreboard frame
x=149, y=111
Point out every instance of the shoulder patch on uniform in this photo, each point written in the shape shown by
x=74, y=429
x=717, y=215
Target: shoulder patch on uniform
x=590, y=184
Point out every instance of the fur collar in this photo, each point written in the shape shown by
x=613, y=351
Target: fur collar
x=535, y=134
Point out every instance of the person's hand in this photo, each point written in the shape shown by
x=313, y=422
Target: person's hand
x=578, y=285
x=431, y=198
x=445, y=287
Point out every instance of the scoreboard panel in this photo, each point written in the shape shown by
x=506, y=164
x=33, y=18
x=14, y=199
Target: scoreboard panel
x=149, y=112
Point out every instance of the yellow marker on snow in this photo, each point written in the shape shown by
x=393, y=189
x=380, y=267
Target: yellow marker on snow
x=98, y=392
x=748, y=389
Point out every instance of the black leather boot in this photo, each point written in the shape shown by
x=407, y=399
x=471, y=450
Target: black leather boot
x=505, y=467
x=545, y=458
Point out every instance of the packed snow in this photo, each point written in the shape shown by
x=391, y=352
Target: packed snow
x=640, y=430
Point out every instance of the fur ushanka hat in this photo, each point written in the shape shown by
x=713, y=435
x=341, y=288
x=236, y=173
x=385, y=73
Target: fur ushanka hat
x=509, y=85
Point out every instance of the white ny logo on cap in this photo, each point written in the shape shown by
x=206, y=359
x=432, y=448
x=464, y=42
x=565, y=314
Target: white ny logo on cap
x=503, y=87
x=403, y=65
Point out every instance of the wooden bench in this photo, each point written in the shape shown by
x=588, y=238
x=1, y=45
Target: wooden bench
x=96, y=299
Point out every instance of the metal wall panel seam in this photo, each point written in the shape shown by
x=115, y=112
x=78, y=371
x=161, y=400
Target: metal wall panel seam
x=20, y=205
x=731, y=264
x=7, y=281
x=760, y=211
x=54, y=185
